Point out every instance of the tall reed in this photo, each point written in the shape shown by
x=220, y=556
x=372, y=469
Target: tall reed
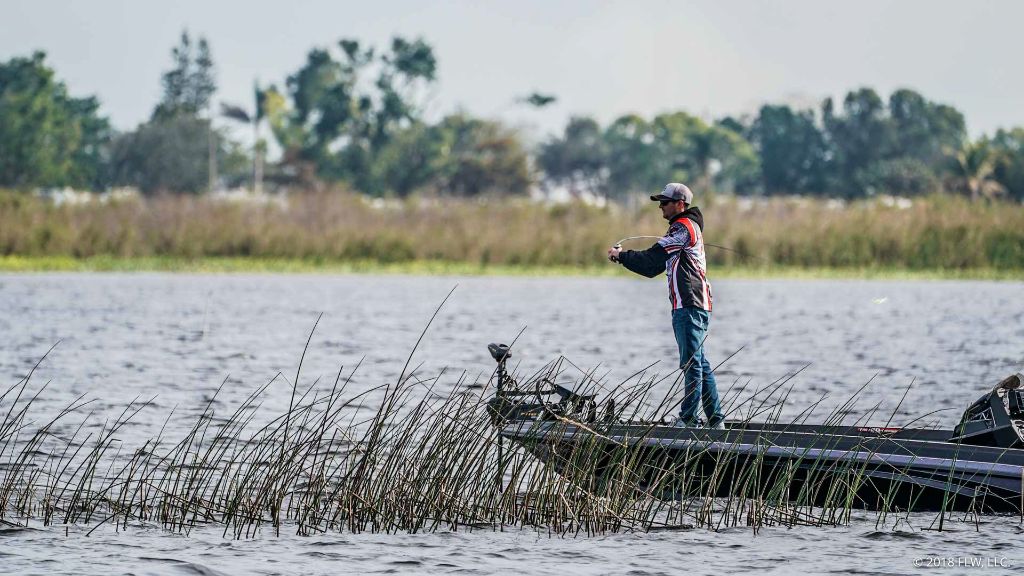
x=421, y=461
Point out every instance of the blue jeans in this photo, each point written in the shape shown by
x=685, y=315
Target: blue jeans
x=691, y=326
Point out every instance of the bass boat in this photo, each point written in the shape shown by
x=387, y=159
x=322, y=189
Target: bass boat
x=978, y=466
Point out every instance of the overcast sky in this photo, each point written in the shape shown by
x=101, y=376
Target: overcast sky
x=599, y=58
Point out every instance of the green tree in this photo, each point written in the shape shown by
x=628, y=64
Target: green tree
x=178, y=150
x=579, y=158
x=737, y=166
x=48, y=138
x=413, y=160
x=924, y=130
x=333, y=123
x=923, y=133
x=405, y=71
x=687, y=149
x=860, y=136
x=91, y=158
x=633, y=160
x=1008, y=149
x=481, y=157
x=643, y=155
x=736, y=125
x=792, y=150
x=169, y=155
x=190, y=84
x=898, y=148
x=683, y=149
x=323, y=103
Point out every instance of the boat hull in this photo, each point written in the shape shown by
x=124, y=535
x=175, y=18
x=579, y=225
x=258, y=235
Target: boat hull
x=841, y=467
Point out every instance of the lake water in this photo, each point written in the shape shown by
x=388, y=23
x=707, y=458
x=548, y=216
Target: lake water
x=177, y=338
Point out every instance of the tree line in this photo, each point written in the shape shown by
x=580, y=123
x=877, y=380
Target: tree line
x=354, y=115
x=905, y=146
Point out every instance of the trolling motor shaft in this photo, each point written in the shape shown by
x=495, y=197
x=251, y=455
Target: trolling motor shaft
x=502, y=407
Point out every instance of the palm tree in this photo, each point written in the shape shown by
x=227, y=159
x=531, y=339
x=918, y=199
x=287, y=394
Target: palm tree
x=974, y=167
x=259, y=146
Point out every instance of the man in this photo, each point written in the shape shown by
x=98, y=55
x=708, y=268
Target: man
x=680, y=254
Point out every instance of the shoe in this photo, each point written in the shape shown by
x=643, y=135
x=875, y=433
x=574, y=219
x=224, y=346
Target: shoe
x=718, y=426
x=679, y=422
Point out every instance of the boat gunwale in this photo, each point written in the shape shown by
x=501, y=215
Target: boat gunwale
x=965, y=460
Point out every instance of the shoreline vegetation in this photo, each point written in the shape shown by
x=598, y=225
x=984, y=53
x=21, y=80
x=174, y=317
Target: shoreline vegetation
x=936, y=237
x=221, y=265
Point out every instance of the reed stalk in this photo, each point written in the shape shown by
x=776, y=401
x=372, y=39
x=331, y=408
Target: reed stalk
x=422, y=461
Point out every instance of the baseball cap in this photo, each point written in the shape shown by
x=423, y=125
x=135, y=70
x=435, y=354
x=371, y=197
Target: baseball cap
x=675, y=192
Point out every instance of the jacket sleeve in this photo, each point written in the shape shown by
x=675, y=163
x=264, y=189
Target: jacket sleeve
x=649, y=263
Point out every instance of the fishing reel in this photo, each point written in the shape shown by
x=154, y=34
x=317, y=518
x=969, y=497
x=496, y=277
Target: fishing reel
x=512, y=403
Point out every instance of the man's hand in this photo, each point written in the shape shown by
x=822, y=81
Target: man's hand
x=613, y=253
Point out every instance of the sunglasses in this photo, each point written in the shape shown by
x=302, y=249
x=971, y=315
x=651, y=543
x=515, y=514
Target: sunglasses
x=664, y=202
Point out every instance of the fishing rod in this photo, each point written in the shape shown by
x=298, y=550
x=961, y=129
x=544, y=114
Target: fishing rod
x=618, y=246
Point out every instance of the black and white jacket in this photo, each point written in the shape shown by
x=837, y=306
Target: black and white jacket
x=680, y=255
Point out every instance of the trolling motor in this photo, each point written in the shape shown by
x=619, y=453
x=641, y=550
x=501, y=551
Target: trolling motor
x=512, y=403
x=996, y=419
x=501, y=354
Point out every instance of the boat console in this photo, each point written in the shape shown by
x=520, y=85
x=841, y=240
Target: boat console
x=996, y=419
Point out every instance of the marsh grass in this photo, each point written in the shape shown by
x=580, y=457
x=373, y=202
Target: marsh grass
x=346, y=231
x=423, y=460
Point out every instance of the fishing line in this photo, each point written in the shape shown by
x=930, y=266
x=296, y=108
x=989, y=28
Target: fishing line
x=628, y=238
x=618, y=245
